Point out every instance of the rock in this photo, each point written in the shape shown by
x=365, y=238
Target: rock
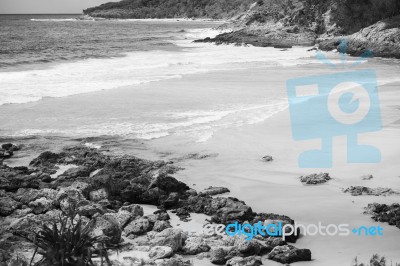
x=168, y=184
x=315, y=179
x=98, y=195
x=40, y=205
x=248, y=261
x=138, y=226
x=172, y=200
x=89, y=209
x=248, y=248
x=288, y=254
x=384, y=213
x=360, y=190
x=4, y=154
x=45, y=159
x=380, y=39
x=229, y=210
x=27, y=195
x=195, y=245
x=160, y=252
x=10, y=147
x=107, y=225
x=76, y=172
x=367, y=177
x=161, y=225
x=267, y=158
x=212, y=191
x=8, y=205
x=123, y=218
x=68, y=199
x=171, y=237
x=218, y=255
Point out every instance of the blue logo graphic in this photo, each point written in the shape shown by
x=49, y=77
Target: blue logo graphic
x=325, y=106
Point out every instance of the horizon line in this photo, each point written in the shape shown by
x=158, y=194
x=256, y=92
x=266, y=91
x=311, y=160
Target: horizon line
x=41, y=13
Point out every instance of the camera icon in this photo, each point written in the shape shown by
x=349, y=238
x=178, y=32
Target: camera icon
x=325, y=106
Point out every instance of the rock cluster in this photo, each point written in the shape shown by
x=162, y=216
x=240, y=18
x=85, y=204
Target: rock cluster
x=385, y=213
x=108, y=190
x=360, y=190
x=315, y=179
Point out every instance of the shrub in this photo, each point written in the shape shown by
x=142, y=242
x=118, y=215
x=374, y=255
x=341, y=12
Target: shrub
x=68, y=242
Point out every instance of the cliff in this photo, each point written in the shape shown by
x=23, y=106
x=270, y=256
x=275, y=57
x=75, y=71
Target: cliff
x=140, y=9
x=367, y=24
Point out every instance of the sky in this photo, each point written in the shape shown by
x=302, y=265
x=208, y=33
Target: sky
x=48, y=6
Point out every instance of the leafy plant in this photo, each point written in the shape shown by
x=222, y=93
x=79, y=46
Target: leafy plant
x=68, y=243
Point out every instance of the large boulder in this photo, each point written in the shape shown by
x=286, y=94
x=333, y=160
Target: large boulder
x=288, y=254
x=40, y=205
x=229, y=210
x=160, y=252
x=98, y=195
x=138, y=226
x=107, y=225
x=195, y=245
x=220, y=255
x=75, y=172
x=161, y=225
x=8, y=205
x=27, y=195
x=171, y=237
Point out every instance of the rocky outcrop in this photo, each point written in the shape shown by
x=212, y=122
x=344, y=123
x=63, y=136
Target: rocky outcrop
x=381, y=39
x=7, y=150
x=384, y=213
x=289, y=254
x=105, y=191
x=212, y=191
x=360, y=190
x=315, y=179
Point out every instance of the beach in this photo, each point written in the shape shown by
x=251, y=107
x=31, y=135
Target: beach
x=216, y=111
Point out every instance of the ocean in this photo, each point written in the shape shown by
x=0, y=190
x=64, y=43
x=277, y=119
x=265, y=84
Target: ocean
x=48, y=57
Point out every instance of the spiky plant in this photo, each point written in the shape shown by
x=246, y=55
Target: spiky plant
x=68, y=243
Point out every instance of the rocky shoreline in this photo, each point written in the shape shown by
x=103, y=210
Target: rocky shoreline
x=109, y=191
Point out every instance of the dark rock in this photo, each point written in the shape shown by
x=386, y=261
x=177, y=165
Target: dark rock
x=384, y=213
x=212, y=191
x=360, y=190
x=367, y=177
x=10, y=147
x=380, y=39
x=107, y=225
x=76, y=172
x=267, y=158
x=8, y=205
x=161, y=225
x=289, y=254
x=315, y=179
